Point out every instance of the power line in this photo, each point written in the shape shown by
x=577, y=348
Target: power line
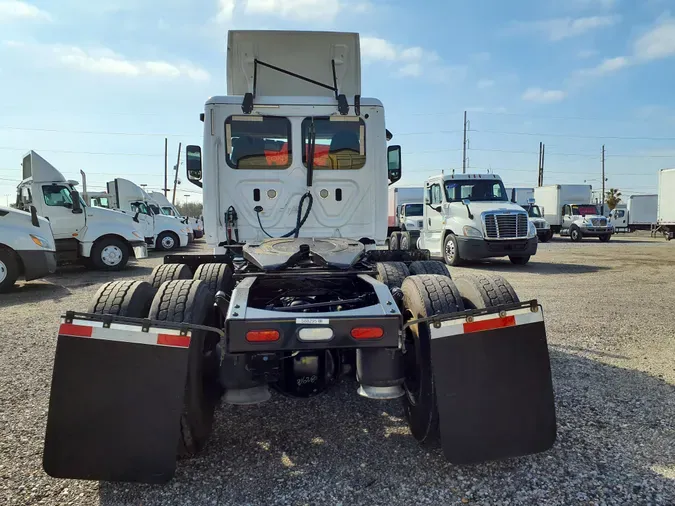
x=80, y=152
x=92, y=132
x=572, y=136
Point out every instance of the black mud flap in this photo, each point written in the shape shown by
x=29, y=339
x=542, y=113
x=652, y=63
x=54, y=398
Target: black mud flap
x=116, y=401
x=493, y=385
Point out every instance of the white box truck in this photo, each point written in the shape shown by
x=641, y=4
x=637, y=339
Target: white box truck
x=639, y=212
x=102, y=238
x=161, y=232
x=404, y=216
x=569, y=211
x=666, y=203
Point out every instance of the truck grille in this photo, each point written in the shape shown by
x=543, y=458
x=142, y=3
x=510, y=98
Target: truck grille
x=505, y=226
x=599, y=222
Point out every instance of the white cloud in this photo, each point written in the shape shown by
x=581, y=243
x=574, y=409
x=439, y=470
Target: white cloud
x=543, y=96
x=106, y=61
x=485, y=83
x=11, y=10
x=303, y=10
x=564, y=28
x=657, y=43
x=225, y=10
x=414, y=61
x=481, y=57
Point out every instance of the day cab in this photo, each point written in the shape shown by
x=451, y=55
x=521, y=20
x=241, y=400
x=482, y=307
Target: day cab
x=469, y=217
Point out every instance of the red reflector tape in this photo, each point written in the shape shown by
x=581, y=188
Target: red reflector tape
x=69, y=329
x=493, y=323
x=262, y=336
x=173, y=340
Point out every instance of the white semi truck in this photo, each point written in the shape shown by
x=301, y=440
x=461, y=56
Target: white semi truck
x=666, y=203
x=295, y=168
x=102, y=238
x=27, y=247
x=524, y=197
x=470, y=217
x=569, y=212
x=639, y=212
x=404, y=216
x=161, y=232
x=169, y=209
x=158, y=210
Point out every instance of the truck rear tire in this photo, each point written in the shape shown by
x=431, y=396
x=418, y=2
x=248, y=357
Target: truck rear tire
x=9, y=269
x=169, y=272
x=189, y=301
x=429, y=267
x=392, y=274
x=123, y=298
x=218, y=277
x=395, y=241
x=109, y=254
x=519, y=260
x=406, y=241
x=451, y=251
x=479, y=291
x=167, y=241
x=423, y=296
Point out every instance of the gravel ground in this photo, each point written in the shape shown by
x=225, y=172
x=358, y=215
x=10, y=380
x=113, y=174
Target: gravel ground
x=610, y=322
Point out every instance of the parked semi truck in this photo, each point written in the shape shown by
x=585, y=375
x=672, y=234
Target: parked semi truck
x=161, y=232
x=404, y=216
x=524, y=197
x=568, y=211
x=27, y=247
x=639, y=212
x=171, y=210
x=470, y=217
x=158, y=210
x=296, y=289
x=666, y=204
x=101, y=238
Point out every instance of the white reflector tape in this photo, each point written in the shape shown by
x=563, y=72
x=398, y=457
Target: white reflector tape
x=124, y=333
x=486, y=322
x=315, y=334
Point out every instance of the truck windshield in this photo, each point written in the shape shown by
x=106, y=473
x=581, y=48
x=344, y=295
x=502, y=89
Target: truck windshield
x=258, y=142
x=533, y=211
x=340, y=142
x=414, y=210
x=476, y=190
x=584, y=210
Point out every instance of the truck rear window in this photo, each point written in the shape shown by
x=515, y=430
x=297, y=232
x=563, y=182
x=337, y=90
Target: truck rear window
x=258, y=142
x=339, y=142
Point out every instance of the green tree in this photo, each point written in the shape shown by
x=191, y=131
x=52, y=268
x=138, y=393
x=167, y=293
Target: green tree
x=612, y=198
x=191, y=209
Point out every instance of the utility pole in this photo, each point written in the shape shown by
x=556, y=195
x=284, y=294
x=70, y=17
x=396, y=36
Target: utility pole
x=542, y=149
x=464, y=147
x=175, y=177
x=166, y=165
x=602, y=206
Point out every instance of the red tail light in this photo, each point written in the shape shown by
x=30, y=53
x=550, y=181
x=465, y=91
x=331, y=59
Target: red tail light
x=367, y=333
x=262, y=336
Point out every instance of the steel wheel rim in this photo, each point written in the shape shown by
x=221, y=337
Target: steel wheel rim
x=111, y=255
x=3, y=271
x=168, y=242
x=450, y=250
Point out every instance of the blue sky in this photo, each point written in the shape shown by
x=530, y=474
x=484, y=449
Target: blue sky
x=98, y=85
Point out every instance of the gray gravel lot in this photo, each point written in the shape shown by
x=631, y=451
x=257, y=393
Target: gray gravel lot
x=611, y=328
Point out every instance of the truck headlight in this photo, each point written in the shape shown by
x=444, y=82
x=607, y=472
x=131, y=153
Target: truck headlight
x=472, y=232
x=137, y=234
x=531, y=230
x=41, y=241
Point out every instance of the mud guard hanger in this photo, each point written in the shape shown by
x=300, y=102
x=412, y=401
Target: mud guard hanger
x=343, y=105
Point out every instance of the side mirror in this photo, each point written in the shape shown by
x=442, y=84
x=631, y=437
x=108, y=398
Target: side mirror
x=466, y=202
x=394, y=163
x=136, y=216
x=77, y=205
x=34, y=217
x=193, y=164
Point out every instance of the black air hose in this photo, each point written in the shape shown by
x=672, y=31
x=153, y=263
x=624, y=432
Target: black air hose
x=300, y=219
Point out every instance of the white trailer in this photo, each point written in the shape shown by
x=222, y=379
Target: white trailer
x=27, y=247
x=161, y=232
x=102, y=238
x=569, y=211
x=639, y=212
x=665, y=218
x=404, y=216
